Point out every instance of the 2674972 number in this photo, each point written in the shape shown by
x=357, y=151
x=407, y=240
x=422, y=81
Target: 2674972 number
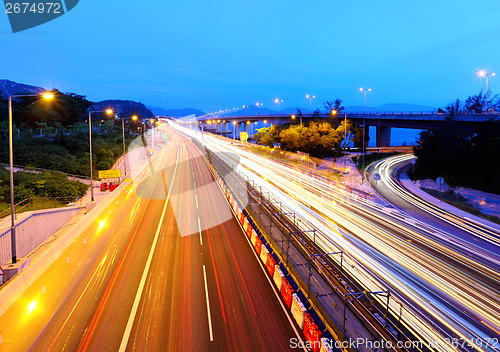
x=25, y=7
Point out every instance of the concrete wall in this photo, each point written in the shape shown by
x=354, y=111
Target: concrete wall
x=33, y=230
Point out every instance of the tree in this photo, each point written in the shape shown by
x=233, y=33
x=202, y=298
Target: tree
x=475, y=103
x=453, y=108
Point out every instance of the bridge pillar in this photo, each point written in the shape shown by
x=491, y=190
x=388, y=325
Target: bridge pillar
x=383, y=136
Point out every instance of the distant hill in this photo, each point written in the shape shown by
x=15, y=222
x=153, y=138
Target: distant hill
x=125, y=108
x=175, y=112
x=9, y=88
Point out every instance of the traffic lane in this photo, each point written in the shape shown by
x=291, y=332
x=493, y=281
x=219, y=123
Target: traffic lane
x=87, y=306
x=106, y=330
x=246, y=314
x=22, y=323
x=432, y=220
x=172, y=314
x=72, y=320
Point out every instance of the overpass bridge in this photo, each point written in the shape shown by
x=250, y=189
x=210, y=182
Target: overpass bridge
x=234, y=124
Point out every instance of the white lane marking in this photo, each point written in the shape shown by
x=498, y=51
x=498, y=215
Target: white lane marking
x=208, y=304
x=199, y=230
x=135, y=306
x=196, y=198
x=194, y=183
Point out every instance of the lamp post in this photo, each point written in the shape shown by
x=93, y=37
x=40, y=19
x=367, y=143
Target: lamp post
x=483, y=73
x=11, y=165
x=134, y=118
x=363, y=155
x=259, y=105
x=234, y=130
x=278, y=101
x=310, y=97
x=109, y=112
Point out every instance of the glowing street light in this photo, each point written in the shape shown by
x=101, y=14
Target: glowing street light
x=109, y=112
x=47, y=96
x=365, y=90
x=481, y=74
x=364, y=125
x=278, y=101
x=133, y=118
x=259, y=105
x=310, y=97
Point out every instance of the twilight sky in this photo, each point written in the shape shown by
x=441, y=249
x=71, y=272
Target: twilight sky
x=222, y=54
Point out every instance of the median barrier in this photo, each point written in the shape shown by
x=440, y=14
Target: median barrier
x=298, y=310
x=246, y=224
x=270, y=265
x=287, y=293
x=278, y=277
x=253, y=239
x=287, y=288
x=264, y=254
x=249, y=232
x=258, y=246
x=312, y=333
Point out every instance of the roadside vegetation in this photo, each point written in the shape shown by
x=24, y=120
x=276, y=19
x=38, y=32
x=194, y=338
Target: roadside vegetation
x=39, y=185
x=319, y=137
x=371, y=158
x=467, y=158
x=53, y=134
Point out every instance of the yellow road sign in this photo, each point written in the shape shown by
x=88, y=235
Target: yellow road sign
x=243, y=137
x=110, y=173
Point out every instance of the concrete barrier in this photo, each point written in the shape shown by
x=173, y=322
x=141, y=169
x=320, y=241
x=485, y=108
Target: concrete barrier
x=253, y=239
x=270, y=265
x=263, y=254
x=278, y=277
x=287, y=293
x=298, y=310
x=258, y=246
x=312, y=333
x=34, y=230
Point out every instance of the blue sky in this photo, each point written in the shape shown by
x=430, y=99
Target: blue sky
x=217, y=54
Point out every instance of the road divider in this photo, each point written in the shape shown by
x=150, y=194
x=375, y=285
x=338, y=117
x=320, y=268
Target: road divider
x=275, y=267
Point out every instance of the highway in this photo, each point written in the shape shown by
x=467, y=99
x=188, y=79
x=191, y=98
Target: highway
x=465, y=230
x=164, y=268
x=445, y=293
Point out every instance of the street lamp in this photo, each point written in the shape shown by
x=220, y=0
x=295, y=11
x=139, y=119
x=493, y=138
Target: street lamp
x=365, y=90
x=310, y=97
x=11, y=165
x=278, y=101
x=483, y=73
x=259, y=105
x=234, y=130
x=363, y=154
x=134, y=118
x=109, y=112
